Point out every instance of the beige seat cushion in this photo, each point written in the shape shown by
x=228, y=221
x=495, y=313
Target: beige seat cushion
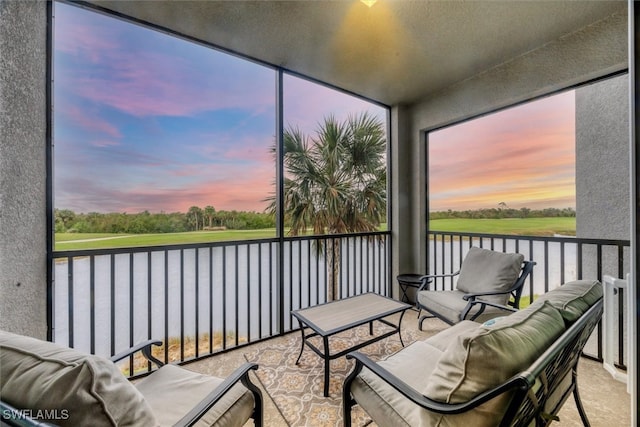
x=484, y=270
x=574, y=298
x=478, y=360
x=82, y=389
x=449, y=305
x=173, y=391
x=413, y=365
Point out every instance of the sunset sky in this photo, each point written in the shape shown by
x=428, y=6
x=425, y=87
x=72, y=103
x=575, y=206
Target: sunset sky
x=523, y=156
x=147, y=121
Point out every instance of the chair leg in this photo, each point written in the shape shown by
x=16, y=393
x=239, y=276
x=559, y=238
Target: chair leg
x=346, y=414
x=258, y=414
x=576, y=396
x=258, y=408
x=347, y=402
x=422, y=318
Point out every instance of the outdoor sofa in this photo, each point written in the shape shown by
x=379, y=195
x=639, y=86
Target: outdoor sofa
x=41, y=382
x=515, y=370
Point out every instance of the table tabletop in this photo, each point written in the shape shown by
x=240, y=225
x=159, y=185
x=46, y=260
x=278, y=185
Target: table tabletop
x=337, y=316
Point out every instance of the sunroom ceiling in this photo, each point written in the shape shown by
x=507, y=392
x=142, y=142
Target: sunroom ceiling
x=395, y=52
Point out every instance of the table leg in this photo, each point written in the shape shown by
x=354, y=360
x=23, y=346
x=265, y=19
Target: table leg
x=327, y=363
x=403, y=289
x=370, y=328
x=302, y=343
x=399, y=330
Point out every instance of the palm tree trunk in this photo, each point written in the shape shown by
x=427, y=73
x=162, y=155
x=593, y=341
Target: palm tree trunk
x=333, y=269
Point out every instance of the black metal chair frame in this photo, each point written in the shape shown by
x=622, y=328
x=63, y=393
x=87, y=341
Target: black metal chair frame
x=13, y=417
x=527, y=403
x=474, y=299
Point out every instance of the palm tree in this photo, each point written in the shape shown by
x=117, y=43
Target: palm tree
x=335, y=181
x=209, y=212
x=193, y=215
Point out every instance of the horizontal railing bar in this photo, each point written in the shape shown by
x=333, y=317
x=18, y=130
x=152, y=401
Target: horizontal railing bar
x=159, y=248
x=588, y=241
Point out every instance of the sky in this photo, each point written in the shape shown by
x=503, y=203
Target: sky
x=523, y=156
x=147, y=121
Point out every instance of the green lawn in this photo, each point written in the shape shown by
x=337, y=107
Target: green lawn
x=65, y=237
x=517, y=226
x=73, y=241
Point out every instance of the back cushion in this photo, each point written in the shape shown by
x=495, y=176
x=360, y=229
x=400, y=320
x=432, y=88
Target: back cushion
x=78, y=389
x=478, y=360
x=573, y=299
x=484, y=270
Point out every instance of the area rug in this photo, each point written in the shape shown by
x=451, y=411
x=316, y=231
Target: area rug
x=297, y=390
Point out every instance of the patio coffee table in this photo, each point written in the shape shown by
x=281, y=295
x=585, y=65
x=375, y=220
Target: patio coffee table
x=338, y=316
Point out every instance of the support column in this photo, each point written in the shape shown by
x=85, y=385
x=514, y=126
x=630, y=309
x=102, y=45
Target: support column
x=634, y=123
x=23, y=167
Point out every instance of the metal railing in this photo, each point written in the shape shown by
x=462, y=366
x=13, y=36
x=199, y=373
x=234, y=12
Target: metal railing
x=202, y=299
x=558, y=260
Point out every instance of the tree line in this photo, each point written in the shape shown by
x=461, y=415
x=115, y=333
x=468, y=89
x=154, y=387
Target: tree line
x=67, y=221
x=504, y=212
x=195, y=219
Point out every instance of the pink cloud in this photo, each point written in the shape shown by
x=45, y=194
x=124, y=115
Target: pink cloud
x=104, y=143
x=158, y=78
x=317, y=102
x=241, y=192
x=80, y=39
x=93, y=123
x=157, y=84
x=231, y=144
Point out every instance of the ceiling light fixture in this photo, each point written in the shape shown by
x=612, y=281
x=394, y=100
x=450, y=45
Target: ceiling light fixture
x=369, y=2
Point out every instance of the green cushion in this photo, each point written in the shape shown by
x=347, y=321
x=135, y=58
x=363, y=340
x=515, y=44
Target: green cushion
x=484, y=270
x=573, y=299
x=480, y=359
x=79, y=389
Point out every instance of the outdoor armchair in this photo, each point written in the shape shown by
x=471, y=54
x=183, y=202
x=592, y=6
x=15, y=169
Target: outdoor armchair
x=41, y=382
x=489, y=284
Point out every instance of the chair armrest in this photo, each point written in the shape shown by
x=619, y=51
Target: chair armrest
x=11, y=416
x=239, y=375
x=145, y=347
x=472, y=295
x=421, y=400
x=428, y=278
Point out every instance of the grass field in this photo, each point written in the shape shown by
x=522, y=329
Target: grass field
x=73, y=241
x=525, y=226
x=517, y=226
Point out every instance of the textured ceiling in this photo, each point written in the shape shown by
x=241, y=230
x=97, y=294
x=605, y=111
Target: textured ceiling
x=394, y=52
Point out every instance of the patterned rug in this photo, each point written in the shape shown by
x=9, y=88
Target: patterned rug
x=297, y=390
